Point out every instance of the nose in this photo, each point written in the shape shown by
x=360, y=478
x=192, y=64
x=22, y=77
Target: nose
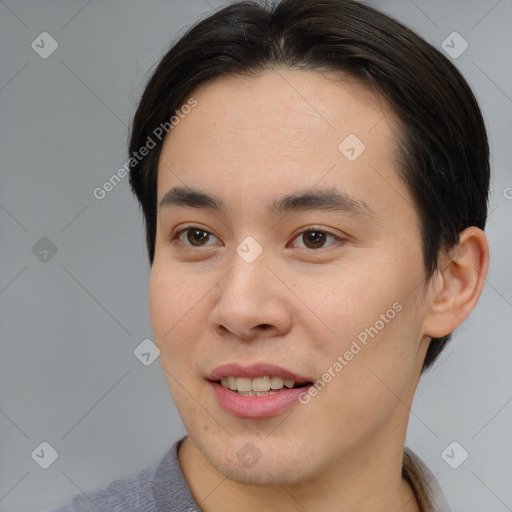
x=251, y=303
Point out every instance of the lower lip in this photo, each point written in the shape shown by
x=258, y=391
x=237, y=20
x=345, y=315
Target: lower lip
x=256, y=406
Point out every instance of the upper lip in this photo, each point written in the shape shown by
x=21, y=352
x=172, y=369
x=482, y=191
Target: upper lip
x=255, y=370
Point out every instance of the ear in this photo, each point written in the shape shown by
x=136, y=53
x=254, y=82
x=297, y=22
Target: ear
x=456, y=287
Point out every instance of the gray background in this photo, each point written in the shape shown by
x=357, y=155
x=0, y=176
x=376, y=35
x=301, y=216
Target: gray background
x=69, y=325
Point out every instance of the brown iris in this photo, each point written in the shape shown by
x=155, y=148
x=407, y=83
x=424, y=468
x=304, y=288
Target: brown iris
x=197, y=236
x=314, y=239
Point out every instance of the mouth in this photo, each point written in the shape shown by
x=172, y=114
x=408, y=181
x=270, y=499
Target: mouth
x=259, y=386
x=257, y=391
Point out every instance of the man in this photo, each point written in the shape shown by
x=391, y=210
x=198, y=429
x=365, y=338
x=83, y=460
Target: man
x=314, y=194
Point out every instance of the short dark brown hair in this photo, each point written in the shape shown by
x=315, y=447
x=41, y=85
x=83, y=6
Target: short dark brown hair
x=443, y=148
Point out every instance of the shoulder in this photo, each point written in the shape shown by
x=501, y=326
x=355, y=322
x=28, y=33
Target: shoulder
x=129, y=494
x=159, y=487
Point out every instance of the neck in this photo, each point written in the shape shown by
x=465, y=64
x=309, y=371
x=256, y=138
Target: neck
x=369, y=478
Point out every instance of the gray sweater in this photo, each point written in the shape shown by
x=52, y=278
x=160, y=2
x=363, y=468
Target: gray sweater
x=163, y=488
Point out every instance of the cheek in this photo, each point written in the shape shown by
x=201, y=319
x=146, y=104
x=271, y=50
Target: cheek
x=164, y=306
x=348, y=299
x=175, y=311
x=176, y=305
x=372, y=315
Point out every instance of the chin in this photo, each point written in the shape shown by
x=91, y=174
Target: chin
x=260, y=461
x=263, y=473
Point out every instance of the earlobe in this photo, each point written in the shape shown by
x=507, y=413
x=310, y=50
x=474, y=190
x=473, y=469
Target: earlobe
x=457, y=286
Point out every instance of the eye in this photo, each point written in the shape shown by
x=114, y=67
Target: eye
x=315, y=238
x=193, y=236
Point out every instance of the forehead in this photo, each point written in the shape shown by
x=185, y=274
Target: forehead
x=278, y=129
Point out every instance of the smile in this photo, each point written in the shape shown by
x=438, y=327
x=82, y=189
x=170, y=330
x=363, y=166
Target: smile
x=259, y=386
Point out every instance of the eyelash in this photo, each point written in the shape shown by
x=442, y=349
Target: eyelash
x=175, y=237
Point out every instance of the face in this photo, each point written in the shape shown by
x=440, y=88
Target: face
x=285, y=249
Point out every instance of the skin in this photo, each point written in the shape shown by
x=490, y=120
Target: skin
x=250, y=141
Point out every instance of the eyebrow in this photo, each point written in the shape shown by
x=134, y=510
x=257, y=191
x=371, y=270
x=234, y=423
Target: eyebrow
x=329, y=199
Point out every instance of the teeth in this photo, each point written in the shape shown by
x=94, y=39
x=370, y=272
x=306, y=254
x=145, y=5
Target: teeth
x=257, y=393
x=276, y=382
x=244, y=384
x=229, y=382
x=259, y=386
